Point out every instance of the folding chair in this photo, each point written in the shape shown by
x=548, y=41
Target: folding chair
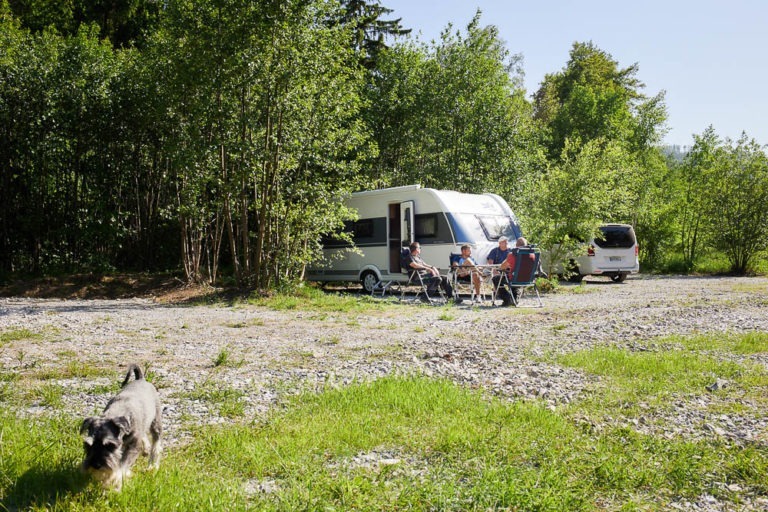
x=416, y=279
x=382, y=287
x=461, y=279
x=523, y=273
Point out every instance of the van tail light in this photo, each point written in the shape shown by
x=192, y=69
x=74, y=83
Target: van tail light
x=591, y=250
x=637, y=249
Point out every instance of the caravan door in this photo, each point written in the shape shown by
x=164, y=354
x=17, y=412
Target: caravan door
x=401, y=232
x=407, y=228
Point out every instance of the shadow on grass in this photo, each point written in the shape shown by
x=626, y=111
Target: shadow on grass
x=40, y=487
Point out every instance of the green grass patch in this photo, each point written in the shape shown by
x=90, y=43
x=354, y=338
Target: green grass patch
x=225, y=358
x=314, y=299
x=73, y=369
x=652, y=373
x=455, y=450
x=49, y=395
x=226, y=400
x=18, y=335
x=393, y=444
x=580, y=289
x=755, y=342
x=688, y=367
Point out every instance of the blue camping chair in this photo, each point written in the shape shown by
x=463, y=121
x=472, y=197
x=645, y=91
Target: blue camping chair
x=461, y=279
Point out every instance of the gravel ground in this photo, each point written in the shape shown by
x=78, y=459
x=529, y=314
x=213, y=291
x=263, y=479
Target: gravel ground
x=271, y=353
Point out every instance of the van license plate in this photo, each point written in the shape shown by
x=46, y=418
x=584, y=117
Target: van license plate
x=614, y=258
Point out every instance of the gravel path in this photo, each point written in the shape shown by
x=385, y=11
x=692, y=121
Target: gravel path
x=270, y=353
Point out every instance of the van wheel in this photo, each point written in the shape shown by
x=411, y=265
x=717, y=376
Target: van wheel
x=618, y=278
x=369, y=280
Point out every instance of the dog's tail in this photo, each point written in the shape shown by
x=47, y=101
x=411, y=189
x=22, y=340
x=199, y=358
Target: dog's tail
x=133, y=368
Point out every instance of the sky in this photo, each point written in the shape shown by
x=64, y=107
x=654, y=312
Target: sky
x=710, y=57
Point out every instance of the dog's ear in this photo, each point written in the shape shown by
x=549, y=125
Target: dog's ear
x=122, y=426
x=87, y=426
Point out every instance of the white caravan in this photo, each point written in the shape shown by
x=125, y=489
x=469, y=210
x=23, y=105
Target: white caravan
x=390, y=219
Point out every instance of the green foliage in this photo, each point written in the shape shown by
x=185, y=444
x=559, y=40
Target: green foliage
x=695, y=182
x=567, y=204
x=592, y=98
x=739, y=203
x=452, y=114
x=269, y=133
x=123, y=23
x=722, y=201
x=221, y=137
x=600, y=132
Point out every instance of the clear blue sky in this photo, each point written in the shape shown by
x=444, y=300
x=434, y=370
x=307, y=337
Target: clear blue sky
x=711, y=57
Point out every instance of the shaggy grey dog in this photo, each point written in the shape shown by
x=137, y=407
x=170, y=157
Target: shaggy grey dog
x=130, y=425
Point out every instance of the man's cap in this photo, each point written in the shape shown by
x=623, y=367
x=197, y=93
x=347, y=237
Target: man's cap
x=503, y=239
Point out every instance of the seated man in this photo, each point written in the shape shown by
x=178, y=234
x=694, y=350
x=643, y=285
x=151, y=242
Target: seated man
x=509, y=266
x=468, y=268
x=429, y=273
x=497, y=256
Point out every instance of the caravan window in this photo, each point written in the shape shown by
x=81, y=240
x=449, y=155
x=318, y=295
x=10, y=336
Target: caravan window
x=364, y=232
x=471, y=227
x=426, y=225
x=432, y=228
x=496, y=226
x=363, y=228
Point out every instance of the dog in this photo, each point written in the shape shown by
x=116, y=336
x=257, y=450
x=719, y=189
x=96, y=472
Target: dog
x=131, y=425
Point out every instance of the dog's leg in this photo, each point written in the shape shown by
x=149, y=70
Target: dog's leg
x=130, y=455
x=155, y=431
x=154, y=454
x=115, y=480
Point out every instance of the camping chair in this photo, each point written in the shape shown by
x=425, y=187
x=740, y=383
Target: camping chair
x=416, y=279
x=523, y=273
x=461, y=279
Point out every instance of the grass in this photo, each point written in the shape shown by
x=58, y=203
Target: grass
x=314, y=299
x=18, y=335
x=396, y=443
x=73, y=369
x=748, y=343
x=411, y=442
x=686, y=366
x=227, y=401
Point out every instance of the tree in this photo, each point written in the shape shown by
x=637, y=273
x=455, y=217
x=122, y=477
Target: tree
x=567, y=203
x=452, y=114
x=57, y=172
x=696, y=175
x=738, y=203
x=266, y=98
x=123, y=22
x=593, y=98
x=594, y=103
x=369, y=29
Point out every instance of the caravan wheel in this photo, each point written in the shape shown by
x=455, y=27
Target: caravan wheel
x=369, y=280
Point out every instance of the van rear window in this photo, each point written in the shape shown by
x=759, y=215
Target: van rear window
x=622, y=237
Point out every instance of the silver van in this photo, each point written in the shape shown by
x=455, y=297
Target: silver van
x=614, y=254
